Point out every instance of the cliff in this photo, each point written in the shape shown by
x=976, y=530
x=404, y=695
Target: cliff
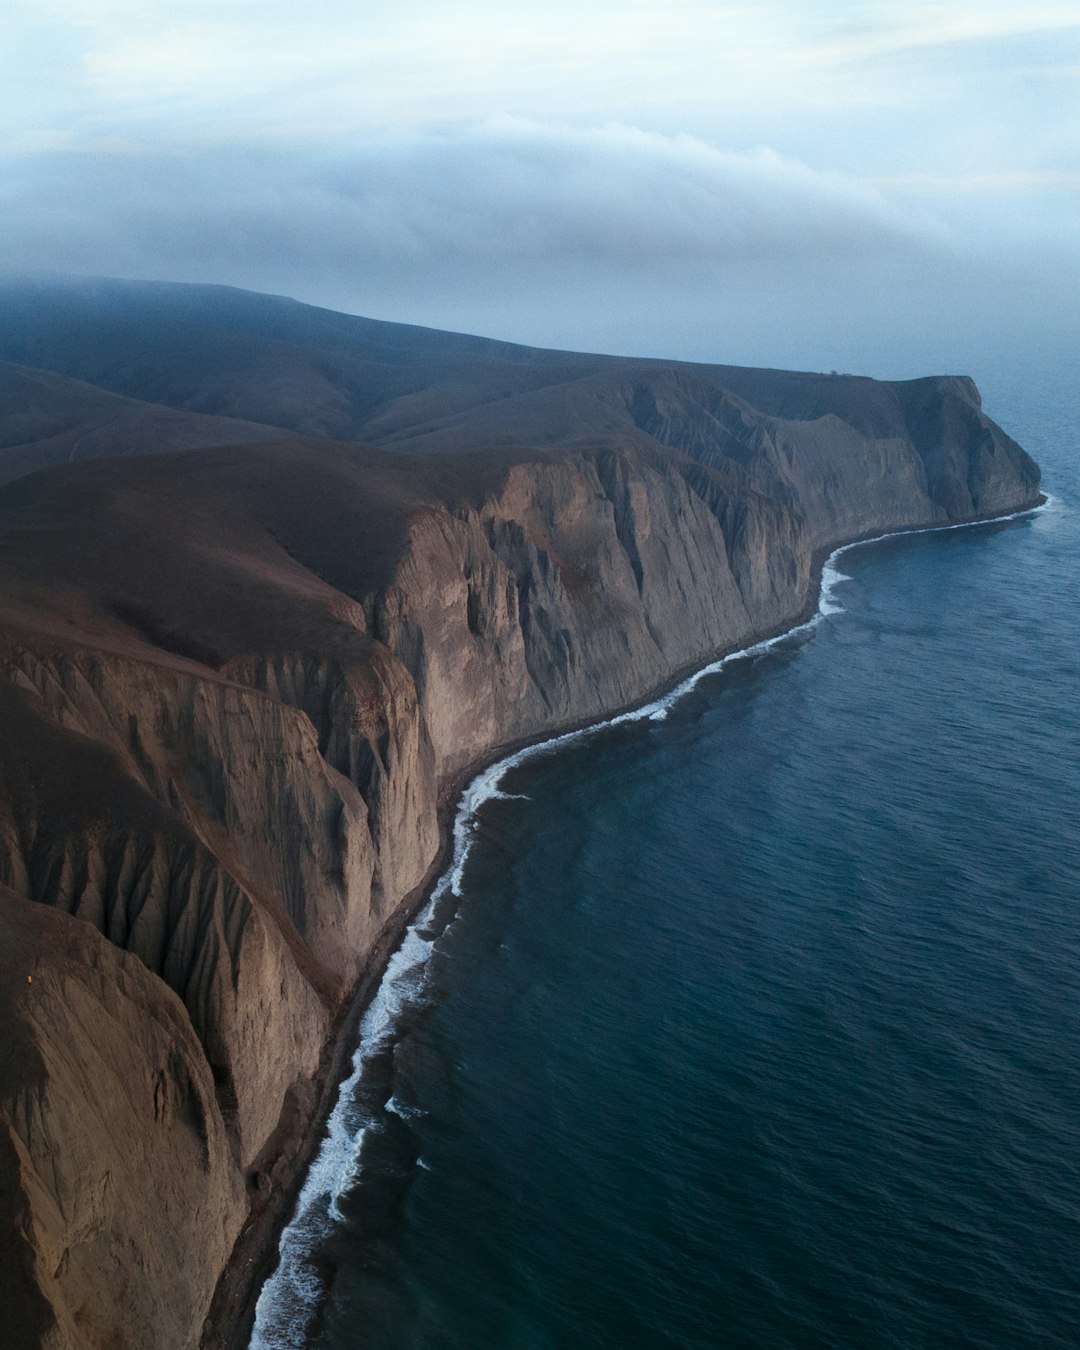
x=236, y=682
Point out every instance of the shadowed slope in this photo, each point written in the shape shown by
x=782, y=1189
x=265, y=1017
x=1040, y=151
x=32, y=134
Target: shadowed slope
x=193, y=553
x=267, y=359
x=211, y=349
x=47, y=419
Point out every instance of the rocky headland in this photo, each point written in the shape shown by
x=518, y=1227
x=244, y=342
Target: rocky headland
x=289, y=575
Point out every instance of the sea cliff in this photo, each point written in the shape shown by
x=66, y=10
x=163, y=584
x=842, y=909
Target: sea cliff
x=237, y=683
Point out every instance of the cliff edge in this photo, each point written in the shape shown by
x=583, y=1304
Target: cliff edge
x=236, y=682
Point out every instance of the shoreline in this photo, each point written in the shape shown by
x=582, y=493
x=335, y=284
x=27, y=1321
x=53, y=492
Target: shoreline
x=231, y=1319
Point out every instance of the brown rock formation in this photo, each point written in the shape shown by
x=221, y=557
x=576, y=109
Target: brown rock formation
x=234, y=683
x=105, y=1084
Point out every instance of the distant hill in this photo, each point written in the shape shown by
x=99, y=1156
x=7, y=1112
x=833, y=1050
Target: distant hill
x=262, y=364
x=48, y=419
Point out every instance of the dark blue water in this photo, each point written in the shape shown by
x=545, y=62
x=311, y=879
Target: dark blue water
x=760, y=1026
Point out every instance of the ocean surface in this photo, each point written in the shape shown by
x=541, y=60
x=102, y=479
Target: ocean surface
x=756, y=1022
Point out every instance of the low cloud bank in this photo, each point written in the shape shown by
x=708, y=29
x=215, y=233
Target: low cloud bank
x=532, y=195
x=503, y=227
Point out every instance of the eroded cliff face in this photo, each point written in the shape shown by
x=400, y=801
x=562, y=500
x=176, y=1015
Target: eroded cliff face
x=206, y=824
x=577, y=587
x=119, y=1191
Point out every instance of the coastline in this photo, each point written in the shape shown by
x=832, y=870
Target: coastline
x=232, y=1315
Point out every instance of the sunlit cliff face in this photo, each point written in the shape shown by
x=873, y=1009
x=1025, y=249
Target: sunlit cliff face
x=826, y=185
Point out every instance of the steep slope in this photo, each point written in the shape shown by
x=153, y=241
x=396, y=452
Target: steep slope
x=235, y=684
x=119, y=1196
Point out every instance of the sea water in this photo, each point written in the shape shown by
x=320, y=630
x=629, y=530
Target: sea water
x=753, y=1020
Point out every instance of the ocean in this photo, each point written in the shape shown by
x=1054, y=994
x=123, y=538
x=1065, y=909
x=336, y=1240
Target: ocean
x=755, y=1022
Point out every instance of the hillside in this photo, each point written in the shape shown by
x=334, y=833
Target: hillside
x=236, y=682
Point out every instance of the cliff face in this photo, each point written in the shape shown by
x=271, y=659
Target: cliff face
x=576, y=588
x=233, y=685
x=120, y=1196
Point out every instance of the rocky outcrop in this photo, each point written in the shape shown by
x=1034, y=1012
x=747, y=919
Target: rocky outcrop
x=120, y=1195
x=576, y=588
x=234, y=685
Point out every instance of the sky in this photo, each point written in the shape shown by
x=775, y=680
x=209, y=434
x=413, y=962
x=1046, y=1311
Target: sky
x=885, y=187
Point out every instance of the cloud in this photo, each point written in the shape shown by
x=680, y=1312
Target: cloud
x=234, y=68
x=512, y=194
x=1002, y=183
x=912, y=28
x=618, y=167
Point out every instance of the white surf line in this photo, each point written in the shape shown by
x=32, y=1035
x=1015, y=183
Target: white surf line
x=290, y=1297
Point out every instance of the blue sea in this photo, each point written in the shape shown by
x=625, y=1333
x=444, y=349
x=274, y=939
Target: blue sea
x=755, y=1022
